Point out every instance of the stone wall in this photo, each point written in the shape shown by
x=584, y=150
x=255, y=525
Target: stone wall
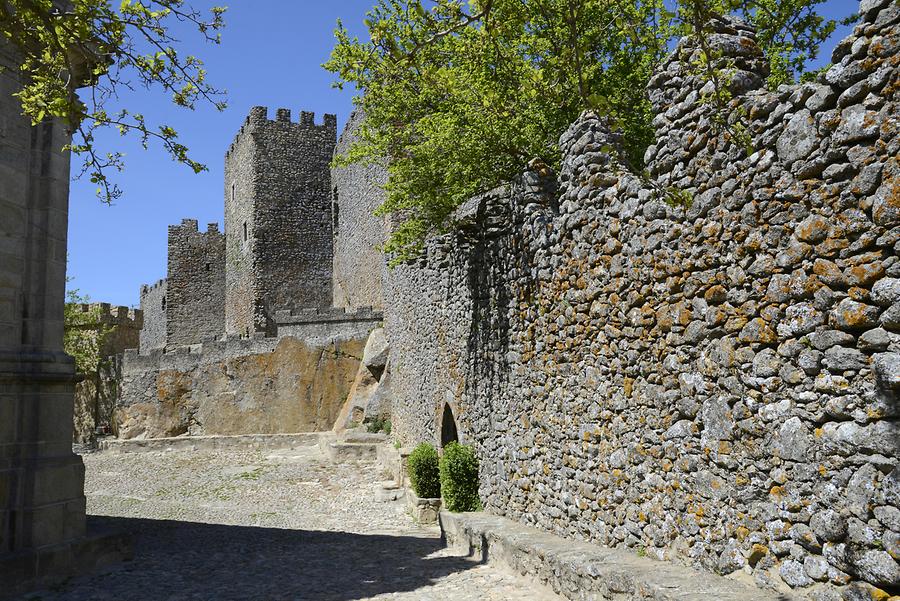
x=277, y=218
x=358, y=233
x=239, y=386
x=96, y=393
x=702, y=365
x=322, y=326
x=153, y=308
x=195, y=294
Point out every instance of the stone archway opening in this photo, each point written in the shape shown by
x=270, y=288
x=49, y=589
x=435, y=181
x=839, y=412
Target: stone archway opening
x=448, y=427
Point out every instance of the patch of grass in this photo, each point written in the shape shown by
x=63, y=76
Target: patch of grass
x=253, y=474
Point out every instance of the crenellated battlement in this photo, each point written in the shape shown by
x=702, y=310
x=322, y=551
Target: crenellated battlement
x=258, y=120
x=145, y=288
x=118, y=315
x=192, y=226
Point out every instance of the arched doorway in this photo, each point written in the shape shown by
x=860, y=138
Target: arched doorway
x=448, y=427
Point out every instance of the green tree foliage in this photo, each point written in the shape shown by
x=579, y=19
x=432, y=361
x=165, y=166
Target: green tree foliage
x=790, y=32
x=459, y=478
x=63, y=45
x=84, y=336
x=458, y=95
x=424, y=474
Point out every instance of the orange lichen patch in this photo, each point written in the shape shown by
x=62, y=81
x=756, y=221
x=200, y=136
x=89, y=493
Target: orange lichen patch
x=858, y=294
x=741, y=532
x=865, y=275
x=879, y=595
x=628, y=386
x=776, y=491
x=757, y=552
x=716, y=295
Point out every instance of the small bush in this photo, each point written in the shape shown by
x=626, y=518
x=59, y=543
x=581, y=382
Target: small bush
x=379, y=424
x=424, y=474
x=459, y=478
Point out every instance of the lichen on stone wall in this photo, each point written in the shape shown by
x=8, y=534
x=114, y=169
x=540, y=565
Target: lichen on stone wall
x=712, y=381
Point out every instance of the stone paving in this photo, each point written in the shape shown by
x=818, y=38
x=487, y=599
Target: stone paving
x=267, y=525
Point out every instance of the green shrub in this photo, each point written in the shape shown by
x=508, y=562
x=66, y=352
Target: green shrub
x=459, y=478
x=424, y=474
x=379, y=424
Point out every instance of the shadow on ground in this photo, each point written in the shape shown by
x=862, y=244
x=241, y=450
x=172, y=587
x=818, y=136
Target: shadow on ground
x=188, y=560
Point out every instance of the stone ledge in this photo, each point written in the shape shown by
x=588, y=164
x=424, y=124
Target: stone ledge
x=423, y=510
x=582, y=571
x=350, y=451
x=196, y=443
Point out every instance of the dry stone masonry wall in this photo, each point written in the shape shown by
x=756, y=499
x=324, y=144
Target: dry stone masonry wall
x=703, y=364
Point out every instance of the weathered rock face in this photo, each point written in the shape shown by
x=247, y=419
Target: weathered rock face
x=710, y=375
x=240, y=387
x=370, y=396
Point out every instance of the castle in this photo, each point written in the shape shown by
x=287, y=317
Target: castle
x=291, y=273
x=276, y=252
x=712, y=381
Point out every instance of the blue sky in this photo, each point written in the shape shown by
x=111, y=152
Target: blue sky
x=270, y=55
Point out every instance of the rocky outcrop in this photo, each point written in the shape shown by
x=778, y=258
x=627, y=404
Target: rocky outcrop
x=241, y=387
x=701, y=362
x=370, y=396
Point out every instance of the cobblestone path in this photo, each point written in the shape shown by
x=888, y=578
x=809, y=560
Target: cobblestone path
x=284, y=525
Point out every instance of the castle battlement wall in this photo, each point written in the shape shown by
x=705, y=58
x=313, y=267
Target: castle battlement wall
x=110, y=315
x=258, y=119
x=325, y=325
x=148, y=287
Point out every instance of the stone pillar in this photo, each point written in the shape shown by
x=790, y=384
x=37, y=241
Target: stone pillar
x=42, y=503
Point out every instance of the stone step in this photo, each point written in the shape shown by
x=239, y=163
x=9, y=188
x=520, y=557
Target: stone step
x=348, y=451
x=355, y=436
x=585, y=572
x=389, y=491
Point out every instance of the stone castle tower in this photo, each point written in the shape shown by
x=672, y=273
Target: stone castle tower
x=196, y=284
x=278, y=226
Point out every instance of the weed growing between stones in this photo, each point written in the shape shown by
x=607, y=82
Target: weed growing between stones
x=424, y=471
x=459, y=478
x=379, y=424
